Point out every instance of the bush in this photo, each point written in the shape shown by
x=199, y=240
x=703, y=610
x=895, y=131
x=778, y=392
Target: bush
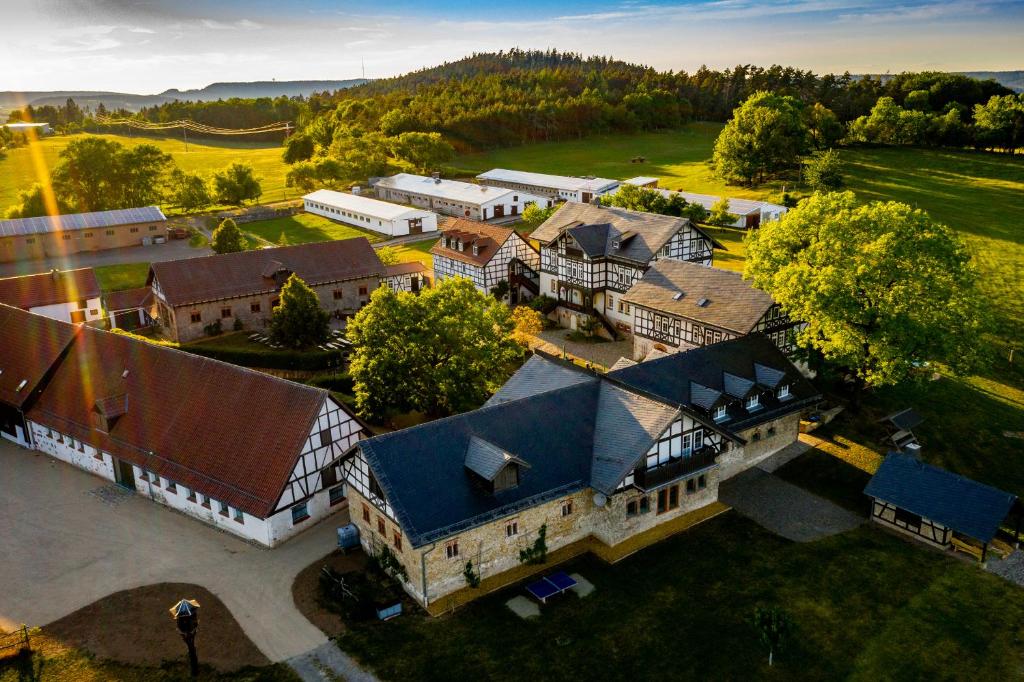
x=538, y=552
x=271, y=359
x=543, y=304
x=339, y=383
x=357, y=595
x=213, y=329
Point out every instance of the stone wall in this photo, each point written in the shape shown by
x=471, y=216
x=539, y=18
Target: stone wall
x=763, y=441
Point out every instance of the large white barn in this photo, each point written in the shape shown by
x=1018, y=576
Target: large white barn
x=749, y=212
x=371, y=214
x=556, y=187
x=455, y=198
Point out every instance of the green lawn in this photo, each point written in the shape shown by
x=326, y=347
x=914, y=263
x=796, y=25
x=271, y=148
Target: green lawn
x=865, y=606
x=124, y=276
x=417, y=251
x=304, y=228
x=18, y=171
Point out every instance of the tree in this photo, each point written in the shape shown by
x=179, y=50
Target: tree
x=298, y=148
x=94, y=174
x=388, y=255
x=766, y=134
x=448, y=348
x=823, y=127
x=528, y=323
x=823, y=171
x=534, y=215
x=1000, y=122
x=236, y=183
x=299, y=321
x=500, y=290
x=720, y=215
x=190, y=191
x=227, y=238
x=635, y=198
x=33, y=203
x=774, y=626
x=423, y=151
x=880, y=286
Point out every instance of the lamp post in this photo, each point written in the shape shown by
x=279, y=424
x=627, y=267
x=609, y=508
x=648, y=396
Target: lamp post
x=186, y=617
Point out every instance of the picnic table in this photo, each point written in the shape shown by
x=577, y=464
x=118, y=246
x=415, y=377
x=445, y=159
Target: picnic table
x=550, y=586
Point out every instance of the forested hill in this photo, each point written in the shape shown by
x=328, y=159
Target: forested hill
x=518, y=96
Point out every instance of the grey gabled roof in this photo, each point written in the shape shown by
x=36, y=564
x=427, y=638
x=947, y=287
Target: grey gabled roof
x=538, y=375
x=593, y=239
x=737, y=387
x=768, y=377
x=626, y=426
x=487, y=459
x=966, y=506
x=702, y=396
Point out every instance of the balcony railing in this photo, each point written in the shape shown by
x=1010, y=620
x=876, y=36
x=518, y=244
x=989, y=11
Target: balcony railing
x=647, y=479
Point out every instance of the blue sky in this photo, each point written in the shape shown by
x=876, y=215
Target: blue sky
x=150, y=45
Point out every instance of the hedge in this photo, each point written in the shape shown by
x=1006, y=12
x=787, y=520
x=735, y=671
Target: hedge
x=313, y=360
x=338, y=383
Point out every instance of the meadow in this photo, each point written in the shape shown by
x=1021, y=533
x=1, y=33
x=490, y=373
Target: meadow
x=18, y=169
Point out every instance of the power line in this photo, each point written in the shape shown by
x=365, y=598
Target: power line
x=186, y=124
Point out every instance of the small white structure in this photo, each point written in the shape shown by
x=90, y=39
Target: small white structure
x=748, y=212
x=22, y=127
x=371, y=214
x=65, y=295
x=558, y=187
x=455, y=198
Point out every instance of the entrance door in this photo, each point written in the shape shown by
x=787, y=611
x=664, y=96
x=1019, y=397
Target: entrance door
x=125, y=475
x=499, y=210
x=585, y=197
x=414, y=284
x=416, y=226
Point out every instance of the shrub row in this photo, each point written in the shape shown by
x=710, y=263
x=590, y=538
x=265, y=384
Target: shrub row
x=312, y=360
x=339, y=383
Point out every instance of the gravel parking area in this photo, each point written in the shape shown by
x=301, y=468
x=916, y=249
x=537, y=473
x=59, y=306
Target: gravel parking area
x=783, y=508
x=605, y=354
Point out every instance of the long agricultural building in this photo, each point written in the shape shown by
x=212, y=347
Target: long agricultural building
x=555, y=187
x=61, y=235
x=455, y=198
x=749, y=213
x=246, y=452
x=370, y=214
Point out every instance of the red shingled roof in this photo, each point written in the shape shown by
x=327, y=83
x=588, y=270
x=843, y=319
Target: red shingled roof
x=231, y=433
x=488, y=238
x=29, y=345
x=128, y=299
x=213, y=278
x=48, y=288
x=410, y=268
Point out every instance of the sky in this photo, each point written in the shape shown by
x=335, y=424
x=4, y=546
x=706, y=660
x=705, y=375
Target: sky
x=148, y=46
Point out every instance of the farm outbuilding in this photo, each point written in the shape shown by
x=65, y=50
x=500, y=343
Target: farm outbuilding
x=936, y=506
x=456, y=198
x=370, y=214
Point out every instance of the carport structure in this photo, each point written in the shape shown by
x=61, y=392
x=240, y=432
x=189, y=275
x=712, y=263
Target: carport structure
x=938, y=507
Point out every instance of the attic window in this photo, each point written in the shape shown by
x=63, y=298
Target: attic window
x=703, y=303
x=476, y=249
x=615, y=244
x=783, y=392
x=677, y=296
x=753, y=402
x=720, y=413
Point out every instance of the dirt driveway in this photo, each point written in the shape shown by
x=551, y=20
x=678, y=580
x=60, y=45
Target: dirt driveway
x=67, y=539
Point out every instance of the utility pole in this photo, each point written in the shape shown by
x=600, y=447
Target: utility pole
x=184, y=134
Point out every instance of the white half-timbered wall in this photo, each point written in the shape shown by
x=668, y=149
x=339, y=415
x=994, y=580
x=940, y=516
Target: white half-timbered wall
x=496, y=269
x=682, y=438
x=333, y=434
x=357, y=475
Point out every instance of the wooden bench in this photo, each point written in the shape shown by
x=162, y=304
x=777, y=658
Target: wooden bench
x=967, y=548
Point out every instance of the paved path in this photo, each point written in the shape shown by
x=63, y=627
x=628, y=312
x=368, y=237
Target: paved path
x=1011, y=568
x=783, y=508
x=327, y=663
x=605, y=354
x=62, y=547
x=174, y=249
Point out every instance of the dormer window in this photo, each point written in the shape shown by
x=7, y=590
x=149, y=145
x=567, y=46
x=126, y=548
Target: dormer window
x=476, y=249
x=783, y=392
x=753, y=402
x=720, y=413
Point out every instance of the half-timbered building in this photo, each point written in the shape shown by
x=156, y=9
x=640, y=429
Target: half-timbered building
x=412, y=277
x=678, y=305
x=487, y=255
x=591, y=255
x=246, y=452
x=596, y=460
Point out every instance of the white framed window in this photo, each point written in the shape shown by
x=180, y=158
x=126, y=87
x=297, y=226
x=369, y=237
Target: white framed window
x=753, y=402
x=783, y=391
x=720, y=413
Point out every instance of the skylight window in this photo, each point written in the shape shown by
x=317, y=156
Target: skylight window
x=678, y=295
x=21, y=385
x=703, y=303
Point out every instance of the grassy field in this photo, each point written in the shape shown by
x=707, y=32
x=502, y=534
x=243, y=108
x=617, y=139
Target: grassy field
x=865, y=605
x=124, y=276
x=977, y=194
x=304, y=228
x=417, y=251
x=18, y=171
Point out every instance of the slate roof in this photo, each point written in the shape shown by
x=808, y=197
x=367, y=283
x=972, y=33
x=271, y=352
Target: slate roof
x=30, y=345
x=49, y=288
x=249, y=273
x=538, y=375
x=652, y=231
x=229, y=432
x=671, y=378
x=489, y=238
x=80, y=221
x=486, y=459
x=574, y=428
x=732, y=303
x=966, y=506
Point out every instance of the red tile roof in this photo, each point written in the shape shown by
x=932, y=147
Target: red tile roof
x=489, y=238
x=214, y=278
x=48, y=288
x=404, y=268
x=128, y=299
x=29, y=346
x=229, y=432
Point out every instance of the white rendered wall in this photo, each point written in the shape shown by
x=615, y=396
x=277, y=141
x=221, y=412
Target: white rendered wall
x=62, y=311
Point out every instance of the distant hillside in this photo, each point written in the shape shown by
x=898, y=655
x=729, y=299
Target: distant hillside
x=1010, y=79
x=117, y=100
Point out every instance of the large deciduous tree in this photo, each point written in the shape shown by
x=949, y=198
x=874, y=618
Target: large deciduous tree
x=823, y=171
x=189, y=191
x=880, y=285
x=1000, y=123
x=94, y=174
x=299, y=321
x=440, y=352
x=236, y=184
x=766, y=134
x=424, y=151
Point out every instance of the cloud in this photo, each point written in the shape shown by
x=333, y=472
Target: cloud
x=230, y=25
